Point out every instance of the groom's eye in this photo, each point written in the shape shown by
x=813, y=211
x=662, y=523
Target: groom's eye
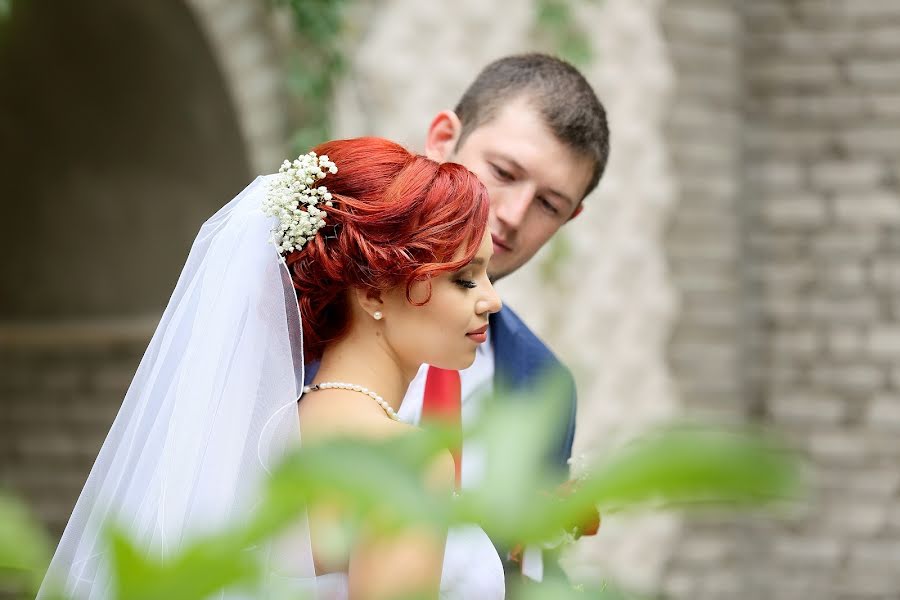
x=548, y=206
x=501, y=173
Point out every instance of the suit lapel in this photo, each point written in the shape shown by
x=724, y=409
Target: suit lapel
x=511, y=356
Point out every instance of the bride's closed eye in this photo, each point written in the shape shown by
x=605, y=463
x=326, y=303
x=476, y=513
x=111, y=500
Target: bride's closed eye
x=465, y=283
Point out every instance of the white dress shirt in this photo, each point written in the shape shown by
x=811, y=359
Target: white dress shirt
x=476, y=383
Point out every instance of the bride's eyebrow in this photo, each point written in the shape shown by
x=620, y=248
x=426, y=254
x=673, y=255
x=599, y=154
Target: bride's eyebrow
x=475, y=262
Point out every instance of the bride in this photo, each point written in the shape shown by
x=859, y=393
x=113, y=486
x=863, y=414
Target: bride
x=360, y=255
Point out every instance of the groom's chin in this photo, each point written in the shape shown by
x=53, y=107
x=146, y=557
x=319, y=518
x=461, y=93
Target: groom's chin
x=495, y=275
x=502, y=263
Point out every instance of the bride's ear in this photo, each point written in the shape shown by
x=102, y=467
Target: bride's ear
x=443, y=133
x=370, y=301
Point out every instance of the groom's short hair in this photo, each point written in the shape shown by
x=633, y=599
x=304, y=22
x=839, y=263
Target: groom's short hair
x=556, y=89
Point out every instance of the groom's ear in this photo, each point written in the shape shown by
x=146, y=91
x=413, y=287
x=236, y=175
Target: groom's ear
x=443, y=133
x=578, y=210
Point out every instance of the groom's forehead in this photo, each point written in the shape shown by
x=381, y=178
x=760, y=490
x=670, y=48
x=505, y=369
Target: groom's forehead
x=521, y=128
x=522, y=105
x=520, y=117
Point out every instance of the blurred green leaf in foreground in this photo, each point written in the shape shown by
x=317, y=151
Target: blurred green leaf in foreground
x=24, y=548
x=380, y=484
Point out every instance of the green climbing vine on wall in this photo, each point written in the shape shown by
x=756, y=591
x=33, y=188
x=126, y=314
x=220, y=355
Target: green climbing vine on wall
x=319, y=58
x=557, y=28
x=317, y=61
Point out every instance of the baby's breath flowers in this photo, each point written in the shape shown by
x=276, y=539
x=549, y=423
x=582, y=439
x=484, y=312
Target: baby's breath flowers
x=295, y=199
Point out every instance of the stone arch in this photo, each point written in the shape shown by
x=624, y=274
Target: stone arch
x=124, y=124
x=120, y=139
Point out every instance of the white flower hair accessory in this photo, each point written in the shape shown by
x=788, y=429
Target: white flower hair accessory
x=295, y=199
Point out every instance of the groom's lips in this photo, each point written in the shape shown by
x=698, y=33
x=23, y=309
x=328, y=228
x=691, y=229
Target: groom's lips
x=500, y=245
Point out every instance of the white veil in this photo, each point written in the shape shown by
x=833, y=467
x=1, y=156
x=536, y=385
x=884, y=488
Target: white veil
x=211, y=408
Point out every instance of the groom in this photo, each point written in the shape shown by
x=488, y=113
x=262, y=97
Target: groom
x=534, y=132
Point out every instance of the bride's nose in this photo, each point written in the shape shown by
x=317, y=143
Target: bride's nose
x=490, y=302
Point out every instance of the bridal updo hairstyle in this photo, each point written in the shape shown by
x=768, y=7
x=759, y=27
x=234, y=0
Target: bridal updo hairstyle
x=397, y=218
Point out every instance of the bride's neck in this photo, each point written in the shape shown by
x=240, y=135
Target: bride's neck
x=362, y=358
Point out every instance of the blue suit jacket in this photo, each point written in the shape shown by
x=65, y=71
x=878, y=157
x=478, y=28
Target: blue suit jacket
x=520, y=360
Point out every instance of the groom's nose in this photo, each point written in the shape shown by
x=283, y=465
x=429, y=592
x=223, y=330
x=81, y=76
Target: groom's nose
x=511, y=208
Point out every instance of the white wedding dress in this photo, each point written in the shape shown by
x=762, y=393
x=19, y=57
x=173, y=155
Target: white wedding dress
x=472, y=570
x=472, y=567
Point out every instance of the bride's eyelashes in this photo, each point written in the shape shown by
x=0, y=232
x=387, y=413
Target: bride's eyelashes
x=464, y=283
x=464, y=280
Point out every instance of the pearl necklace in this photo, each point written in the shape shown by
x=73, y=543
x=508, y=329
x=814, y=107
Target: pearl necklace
x=354, y=388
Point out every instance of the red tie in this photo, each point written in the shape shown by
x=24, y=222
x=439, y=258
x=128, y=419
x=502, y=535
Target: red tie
x=442, y=405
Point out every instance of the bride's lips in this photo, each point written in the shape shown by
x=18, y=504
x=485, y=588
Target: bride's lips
x=479, y=336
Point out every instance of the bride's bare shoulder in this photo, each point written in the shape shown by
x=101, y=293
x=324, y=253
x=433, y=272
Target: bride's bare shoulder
x=341, y=413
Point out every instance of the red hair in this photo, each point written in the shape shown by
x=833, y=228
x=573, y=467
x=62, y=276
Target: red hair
x=397, y=218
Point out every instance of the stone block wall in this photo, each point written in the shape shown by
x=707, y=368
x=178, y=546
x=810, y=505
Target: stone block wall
x=708, y=346
x=823, y=220
x=703, y=247
x=60, y=394
x=816, y=199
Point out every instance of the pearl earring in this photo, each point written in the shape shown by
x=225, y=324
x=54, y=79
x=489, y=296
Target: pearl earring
x=377, y=315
